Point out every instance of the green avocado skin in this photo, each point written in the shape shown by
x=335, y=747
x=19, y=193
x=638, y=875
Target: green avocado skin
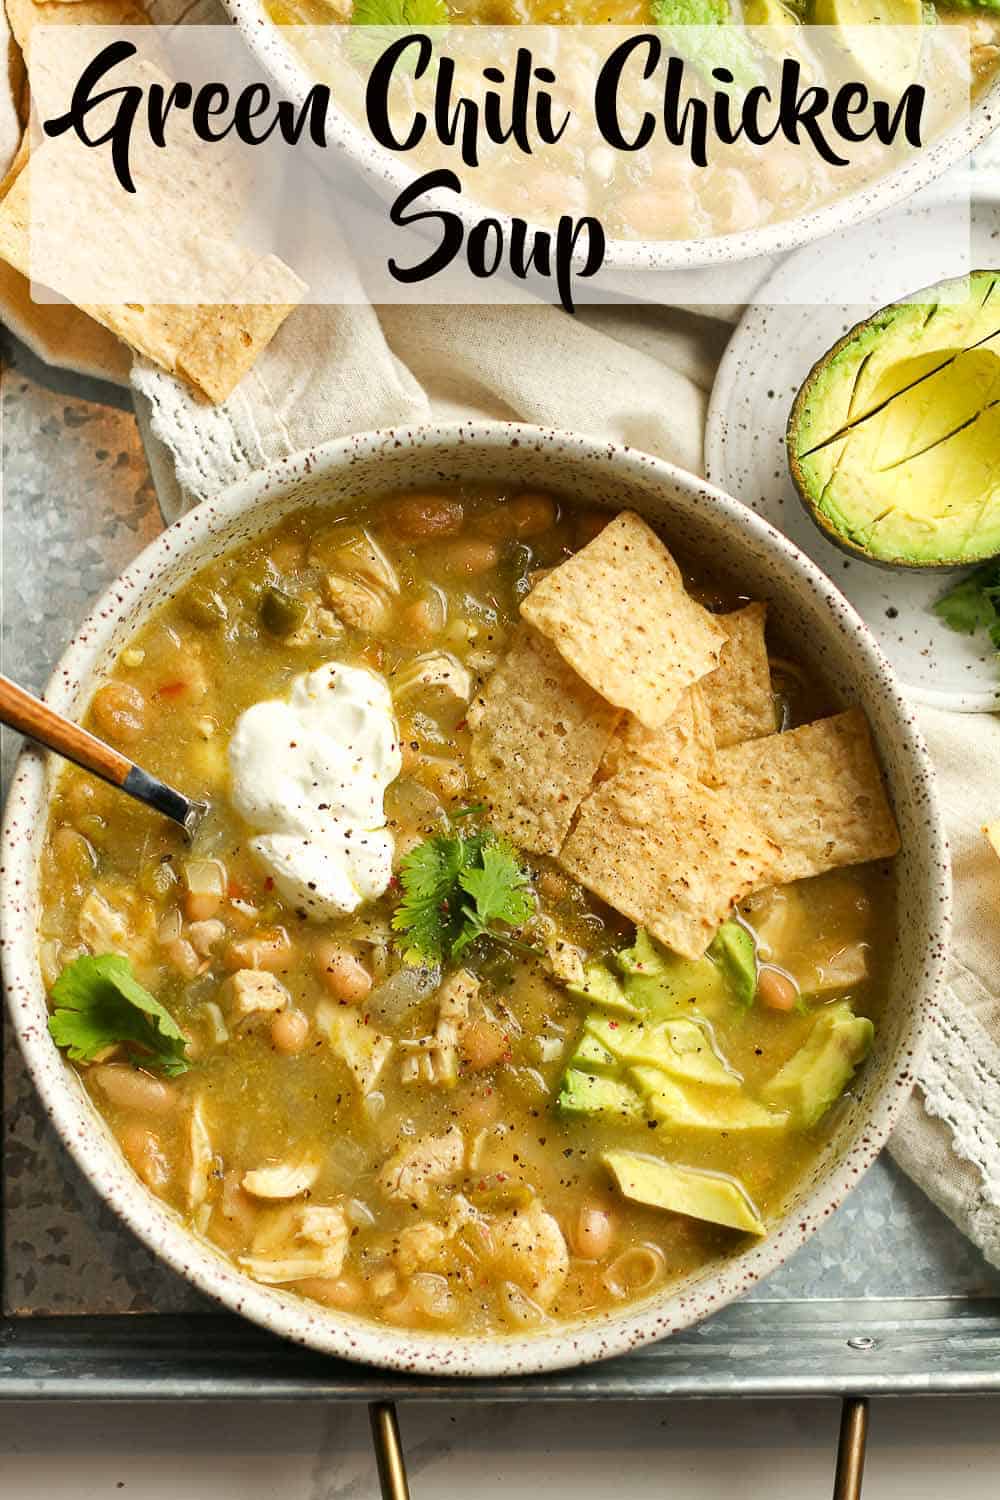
x=894, y=439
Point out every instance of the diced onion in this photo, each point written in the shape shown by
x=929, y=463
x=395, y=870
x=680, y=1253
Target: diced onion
x=205, y=877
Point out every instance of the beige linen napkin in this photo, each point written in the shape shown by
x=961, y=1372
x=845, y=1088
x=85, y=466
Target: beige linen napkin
x=636, y=375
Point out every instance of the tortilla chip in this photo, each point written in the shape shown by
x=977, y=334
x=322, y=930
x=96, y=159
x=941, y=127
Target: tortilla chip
x=538, y=735
x=24, y=15
x=619, y=613
x=210, y=347
x=992, y=832
x=817, y=793
x=669, y=854
x=228, y=338
x=685, y=743
x=738, y=692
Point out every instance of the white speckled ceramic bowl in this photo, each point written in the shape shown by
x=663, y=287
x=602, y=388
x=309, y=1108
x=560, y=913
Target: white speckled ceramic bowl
x=701, y=520
x=389, y=173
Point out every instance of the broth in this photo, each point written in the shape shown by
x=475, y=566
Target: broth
x=509, y=1217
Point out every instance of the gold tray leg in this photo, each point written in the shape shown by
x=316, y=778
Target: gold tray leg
x=388, y=1451
x=846, y=1484
x=851, y=1450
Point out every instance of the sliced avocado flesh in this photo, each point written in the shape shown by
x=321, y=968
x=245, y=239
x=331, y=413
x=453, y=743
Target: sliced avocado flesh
x=662, y=985
x=683, y=1190
x=591, y=1056
x=601, y=988
x=735, y=951
x=682, y=1048
x=684, y=1109
x=894, y=440
x=819, y=1072
x=585, y=1094
x=889, y=57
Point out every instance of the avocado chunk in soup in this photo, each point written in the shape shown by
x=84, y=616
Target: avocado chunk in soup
x=434, y=1024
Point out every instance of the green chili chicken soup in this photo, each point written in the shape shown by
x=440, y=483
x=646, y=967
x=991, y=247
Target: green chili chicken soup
x=538, y=926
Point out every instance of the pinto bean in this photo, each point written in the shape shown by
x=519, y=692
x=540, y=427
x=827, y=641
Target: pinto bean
x=593, y=1232
x=483, y=1045
x=469, y=556
x=133, y=1089
x=419, y=516
x=271, y=949
x=145, y=1156
x=344, y=975
x=776, y=990
x=120, y=712
x=346, y=1292
x=289, y=1031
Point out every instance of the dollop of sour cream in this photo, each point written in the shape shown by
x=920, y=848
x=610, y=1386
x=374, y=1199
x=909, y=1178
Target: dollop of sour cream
x=310, y=772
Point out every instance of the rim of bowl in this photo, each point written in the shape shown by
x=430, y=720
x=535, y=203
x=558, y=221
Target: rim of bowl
x=159, y=1228
x=278, y=59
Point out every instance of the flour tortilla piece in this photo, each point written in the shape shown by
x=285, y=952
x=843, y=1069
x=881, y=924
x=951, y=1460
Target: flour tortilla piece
x=685, y=743
x=24, y=15
x=619, y=613
x=738, y=692
x=671, y=855
x=817, y=793
x=538, y=736
x=212, y=347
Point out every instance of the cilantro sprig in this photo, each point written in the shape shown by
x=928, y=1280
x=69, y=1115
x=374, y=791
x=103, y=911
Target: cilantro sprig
x=100, y=1003
x=367, y=46
x=974, y=604
x=456, y=886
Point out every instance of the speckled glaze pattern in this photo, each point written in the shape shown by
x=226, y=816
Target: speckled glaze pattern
x=389, y=174
x=767, y=359
x=697, y=519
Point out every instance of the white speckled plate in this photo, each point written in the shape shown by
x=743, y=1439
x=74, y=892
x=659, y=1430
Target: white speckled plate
x=768, y=357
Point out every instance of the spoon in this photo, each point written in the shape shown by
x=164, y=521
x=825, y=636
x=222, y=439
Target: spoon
x=27, y=714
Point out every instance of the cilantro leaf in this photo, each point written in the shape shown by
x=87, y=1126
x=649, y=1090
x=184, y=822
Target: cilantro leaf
x=399, y=13
x=99, y=1002
x=973, y=604
x=499, y=887
x=429, y=912
x=438, y=878
x=406, y=14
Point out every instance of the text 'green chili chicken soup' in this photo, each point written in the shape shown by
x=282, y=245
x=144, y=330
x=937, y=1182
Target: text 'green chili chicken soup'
x=540, y=921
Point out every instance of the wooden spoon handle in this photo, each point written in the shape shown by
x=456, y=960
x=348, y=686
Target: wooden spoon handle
x=39, y=722
x=30, y=716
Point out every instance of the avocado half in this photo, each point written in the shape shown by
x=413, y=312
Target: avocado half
x=894, y=439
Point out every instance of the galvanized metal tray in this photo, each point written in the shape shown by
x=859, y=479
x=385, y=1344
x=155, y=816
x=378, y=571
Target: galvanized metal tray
x=887, y=1299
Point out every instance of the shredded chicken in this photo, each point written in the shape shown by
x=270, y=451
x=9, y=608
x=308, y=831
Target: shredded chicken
x=529, y=1249
x=299, y=1243
x=364, y=1050
x=202, y=1157
x=426, y=1245
x=437, y=678
x=565, y=961
x=102, y=926
x=361, y=605
x=255, y=990
x=285, y=1180
x=434, y=1059
x=320, y=624
x=206, y=935
x=417, y=1167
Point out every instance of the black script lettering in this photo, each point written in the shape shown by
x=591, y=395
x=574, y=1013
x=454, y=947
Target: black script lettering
x=377, y=92
x=608, y=86
x=119, y=132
